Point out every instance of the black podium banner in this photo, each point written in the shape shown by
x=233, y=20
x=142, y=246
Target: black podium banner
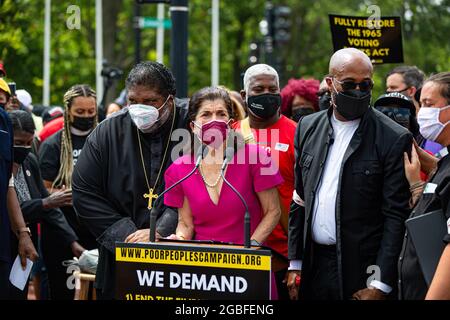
x=380, y=39
x=180, y=271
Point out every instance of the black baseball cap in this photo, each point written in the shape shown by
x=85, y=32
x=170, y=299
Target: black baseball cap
x=396, y=99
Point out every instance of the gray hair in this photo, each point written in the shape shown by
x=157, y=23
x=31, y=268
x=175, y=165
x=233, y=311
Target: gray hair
x=256, y=70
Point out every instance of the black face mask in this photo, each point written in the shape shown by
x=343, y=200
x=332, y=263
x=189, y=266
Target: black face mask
x=82, y=123
x=264, y=106
x=324, y=101
x=352, y=104
x=20, y=153
x=301, y=112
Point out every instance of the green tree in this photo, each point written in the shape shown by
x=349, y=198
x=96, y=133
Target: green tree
x=424, y=24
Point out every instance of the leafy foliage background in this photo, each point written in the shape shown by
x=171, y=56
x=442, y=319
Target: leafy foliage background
x=425, y=25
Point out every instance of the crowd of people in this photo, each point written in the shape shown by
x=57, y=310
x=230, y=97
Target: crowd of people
x=329, y=174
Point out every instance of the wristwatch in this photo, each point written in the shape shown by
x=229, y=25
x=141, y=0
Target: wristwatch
x=24, y=229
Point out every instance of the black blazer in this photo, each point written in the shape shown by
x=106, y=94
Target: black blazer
x=371, y=203
x=33, y=210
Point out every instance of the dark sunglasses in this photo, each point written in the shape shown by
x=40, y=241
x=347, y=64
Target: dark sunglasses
x=399, y=115
x=365, y=85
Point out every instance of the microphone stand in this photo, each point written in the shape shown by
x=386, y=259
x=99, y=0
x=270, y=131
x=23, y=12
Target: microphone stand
x=229, y=153
x=200, y=155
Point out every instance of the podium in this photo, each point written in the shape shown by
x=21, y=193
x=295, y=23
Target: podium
x=184, y=270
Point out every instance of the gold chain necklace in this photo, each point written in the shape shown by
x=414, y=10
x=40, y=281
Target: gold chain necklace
x=150, y=195
x=204, y=179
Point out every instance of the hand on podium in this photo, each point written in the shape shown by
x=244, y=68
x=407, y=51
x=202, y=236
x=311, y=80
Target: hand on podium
x=175, y=237
x=142, y=235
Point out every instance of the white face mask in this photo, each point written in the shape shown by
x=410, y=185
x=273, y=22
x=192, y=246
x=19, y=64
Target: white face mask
x=144, y=116
x=428, y=119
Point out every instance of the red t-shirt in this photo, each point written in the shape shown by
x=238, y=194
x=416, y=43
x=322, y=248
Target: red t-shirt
x=50, y=128
x=279, y=141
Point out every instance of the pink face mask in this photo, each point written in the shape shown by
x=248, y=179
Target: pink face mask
x=213, y=133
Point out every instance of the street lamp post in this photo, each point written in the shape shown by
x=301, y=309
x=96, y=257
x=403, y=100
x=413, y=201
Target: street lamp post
x=179, y=45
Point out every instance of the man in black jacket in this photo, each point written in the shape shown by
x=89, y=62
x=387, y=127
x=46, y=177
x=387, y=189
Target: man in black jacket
x=347, y=234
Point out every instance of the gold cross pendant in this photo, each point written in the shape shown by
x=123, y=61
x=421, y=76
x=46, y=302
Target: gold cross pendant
x=150, y=197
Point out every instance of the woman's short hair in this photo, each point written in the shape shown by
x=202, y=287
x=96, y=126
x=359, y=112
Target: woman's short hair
x=209, y=94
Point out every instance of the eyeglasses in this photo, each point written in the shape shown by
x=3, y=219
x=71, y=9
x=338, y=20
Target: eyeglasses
x=365, y=85
x=400, y=115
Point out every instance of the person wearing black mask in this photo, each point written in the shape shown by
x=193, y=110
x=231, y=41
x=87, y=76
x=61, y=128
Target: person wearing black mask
x=36, y=204
x=11, y=218
x=401, y=109
x=323, y=95
x=58, y=155
x=345, y=232
x=267, y=127
x=299, y=98
x=407, y=80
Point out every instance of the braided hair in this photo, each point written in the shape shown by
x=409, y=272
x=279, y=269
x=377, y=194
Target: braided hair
x=64, y=176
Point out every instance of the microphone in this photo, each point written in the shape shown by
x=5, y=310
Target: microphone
x=229, y=153
x=201, y=152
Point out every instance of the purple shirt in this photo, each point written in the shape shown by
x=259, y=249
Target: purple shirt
x=250, y=171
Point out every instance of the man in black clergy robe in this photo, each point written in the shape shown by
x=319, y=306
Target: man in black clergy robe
x=109, y=183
